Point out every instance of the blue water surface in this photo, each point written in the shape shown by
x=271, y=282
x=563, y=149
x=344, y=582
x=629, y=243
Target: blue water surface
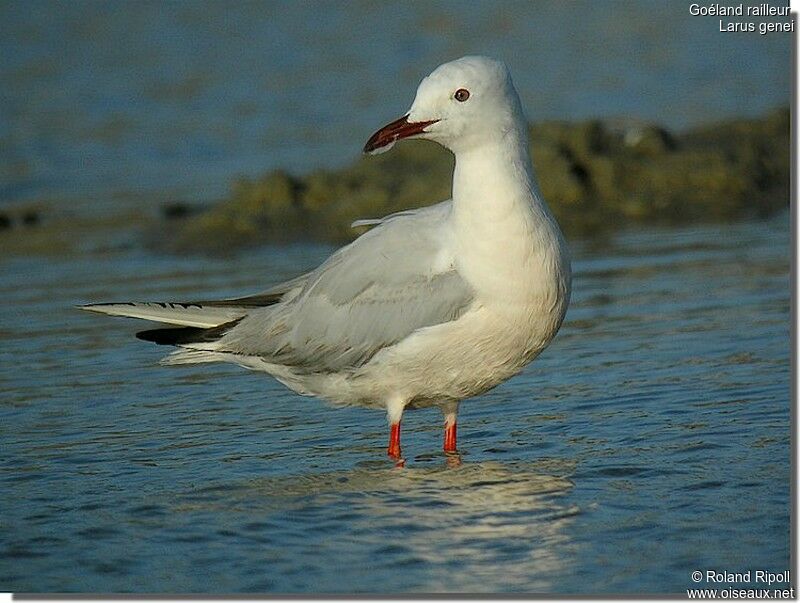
x=99, y=100
x=651, y=439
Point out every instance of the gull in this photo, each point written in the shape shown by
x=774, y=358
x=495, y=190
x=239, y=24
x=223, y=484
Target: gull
x=429, y=306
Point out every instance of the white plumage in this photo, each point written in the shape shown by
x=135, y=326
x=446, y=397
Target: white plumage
x=430, y=306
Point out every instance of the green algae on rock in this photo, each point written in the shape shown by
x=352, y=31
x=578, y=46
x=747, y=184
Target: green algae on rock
x=595, y=175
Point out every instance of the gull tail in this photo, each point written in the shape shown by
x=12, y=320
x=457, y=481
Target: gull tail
x=191, y=339
x=179, y=357
x=197, y=325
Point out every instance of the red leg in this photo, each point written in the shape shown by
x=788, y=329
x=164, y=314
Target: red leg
x=394, y=441
x=450, y=433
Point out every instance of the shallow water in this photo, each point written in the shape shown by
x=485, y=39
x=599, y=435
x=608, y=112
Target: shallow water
x=651, y=439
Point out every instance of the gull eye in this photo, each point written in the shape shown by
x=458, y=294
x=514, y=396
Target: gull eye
x=461, y=95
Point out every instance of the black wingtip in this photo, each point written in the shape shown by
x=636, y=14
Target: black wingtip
x=184, y=335
x=171, y=336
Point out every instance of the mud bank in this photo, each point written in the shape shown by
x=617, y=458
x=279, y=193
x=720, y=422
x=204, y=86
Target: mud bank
x=597, y=176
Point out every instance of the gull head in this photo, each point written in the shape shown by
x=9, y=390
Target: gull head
x=463, y=104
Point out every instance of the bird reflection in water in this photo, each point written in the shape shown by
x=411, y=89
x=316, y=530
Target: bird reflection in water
x=498, y=522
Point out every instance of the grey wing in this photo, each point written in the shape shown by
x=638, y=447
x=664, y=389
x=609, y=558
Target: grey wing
x=202, y=314
x=393, y=280
x=281, y=292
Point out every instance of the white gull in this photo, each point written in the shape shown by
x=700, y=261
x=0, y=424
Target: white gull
x=430, y=306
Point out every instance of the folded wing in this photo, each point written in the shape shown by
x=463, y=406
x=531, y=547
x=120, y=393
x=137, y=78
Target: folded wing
x=201, y=314
x=395, y=279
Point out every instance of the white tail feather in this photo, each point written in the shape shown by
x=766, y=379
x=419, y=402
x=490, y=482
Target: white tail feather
x=185, y=356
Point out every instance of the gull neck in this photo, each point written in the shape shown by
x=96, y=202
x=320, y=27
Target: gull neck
x=495, y=180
